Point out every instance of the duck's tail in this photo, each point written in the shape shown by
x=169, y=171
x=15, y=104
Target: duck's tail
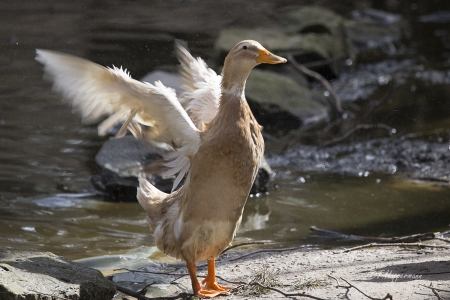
x=150, y=199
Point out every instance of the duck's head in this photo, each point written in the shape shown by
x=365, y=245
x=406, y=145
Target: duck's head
x=242, y=59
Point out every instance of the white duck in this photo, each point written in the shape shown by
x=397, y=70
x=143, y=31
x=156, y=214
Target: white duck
x=215, y=140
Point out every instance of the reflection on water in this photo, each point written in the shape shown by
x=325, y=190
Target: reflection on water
x=379, y=205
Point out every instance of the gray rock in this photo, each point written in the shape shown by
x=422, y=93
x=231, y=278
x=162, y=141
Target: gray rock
x=276, y=94
x=43, y=275
x=372, y=35
x=121, y=160
x=309, y=33
x=168, y=79
x=126, y=156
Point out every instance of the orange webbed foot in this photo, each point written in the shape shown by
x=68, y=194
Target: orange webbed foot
x=213, y=285
x=212, y=288
x=210, y=293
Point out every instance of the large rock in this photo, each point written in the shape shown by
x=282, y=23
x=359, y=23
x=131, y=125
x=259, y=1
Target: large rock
x=322, y=30
x=122, y=159
x=309, y=34
x=168, y=79
x=279, y=101
x=43, y=275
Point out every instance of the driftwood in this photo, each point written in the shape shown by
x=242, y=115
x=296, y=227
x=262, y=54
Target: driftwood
x=402, y=239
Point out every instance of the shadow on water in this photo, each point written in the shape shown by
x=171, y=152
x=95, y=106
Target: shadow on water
x=47, y=155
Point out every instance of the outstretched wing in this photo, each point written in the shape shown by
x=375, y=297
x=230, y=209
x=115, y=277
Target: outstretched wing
x=201, y=87
x=152, y=112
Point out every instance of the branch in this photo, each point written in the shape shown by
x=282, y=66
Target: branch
x=388, y=296
x=319, y=78
x=397, y=244
x=433, y=288
x=302, y=294
x=263, y=251
x=242, y=244
x=402, y=239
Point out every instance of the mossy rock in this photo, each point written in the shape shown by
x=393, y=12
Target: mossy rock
x=309, y=34
x=276, y=99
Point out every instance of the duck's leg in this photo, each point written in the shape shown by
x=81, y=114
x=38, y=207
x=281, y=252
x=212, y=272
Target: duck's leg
x=197, y=289
x=210, y=279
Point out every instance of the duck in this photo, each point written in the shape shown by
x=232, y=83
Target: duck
x=215, y=144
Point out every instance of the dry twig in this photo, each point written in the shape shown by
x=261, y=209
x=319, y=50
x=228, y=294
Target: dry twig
x=435, y=290
x=388, y=296
x=397, y=245
x=401, y=239
x=302, y=294
x=242, y=244
x=264, y=251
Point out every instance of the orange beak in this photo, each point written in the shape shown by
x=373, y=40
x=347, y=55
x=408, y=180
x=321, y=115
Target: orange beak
x=265, y=57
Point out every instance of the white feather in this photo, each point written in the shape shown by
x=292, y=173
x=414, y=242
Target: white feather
x=201, y=88
x=96, y=92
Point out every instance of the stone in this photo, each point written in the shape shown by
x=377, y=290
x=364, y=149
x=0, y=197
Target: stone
x=279, y=99
x=309, y=34
x=43, y=275
x=168, y=79
x=121, y=160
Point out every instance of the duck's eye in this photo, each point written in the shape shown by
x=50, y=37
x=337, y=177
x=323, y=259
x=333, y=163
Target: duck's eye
x=245, y=47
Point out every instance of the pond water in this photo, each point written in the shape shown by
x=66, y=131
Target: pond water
x=47, y=155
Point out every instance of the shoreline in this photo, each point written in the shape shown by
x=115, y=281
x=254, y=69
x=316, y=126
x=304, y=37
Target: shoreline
x=405, y=272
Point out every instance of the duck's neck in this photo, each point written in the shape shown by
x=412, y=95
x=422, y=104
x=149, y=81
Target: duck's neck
x=233, y=82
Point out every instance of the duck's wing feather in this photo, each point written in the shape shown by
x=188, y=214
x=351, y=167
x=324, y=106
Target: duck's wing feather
x=201, y=87
x=151, y=112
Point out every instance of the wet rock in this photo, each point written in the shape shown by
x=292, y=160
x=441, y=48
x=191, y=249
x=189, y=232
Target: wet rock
x=168, y=79
x=279, y=101
x=309, y=33
x=121, y=160
x=414, y=158
x=376, y=15
x=43, y=275
x=373, y=35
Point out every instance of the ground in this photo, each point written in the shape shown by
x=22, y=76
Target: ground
x=402, y=272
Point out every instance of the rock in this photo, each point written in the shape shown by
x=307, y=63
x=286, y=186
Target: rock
x=414, y=158
x=43, y=275
x=168, y=79
x=321, y=29
x=309, y=34
x=278, y=101
x=121, y=160
x=372, y=35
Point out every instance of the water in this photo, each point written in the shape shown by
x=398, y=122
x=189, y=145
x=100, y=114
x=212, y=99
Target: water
x=47, y=155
